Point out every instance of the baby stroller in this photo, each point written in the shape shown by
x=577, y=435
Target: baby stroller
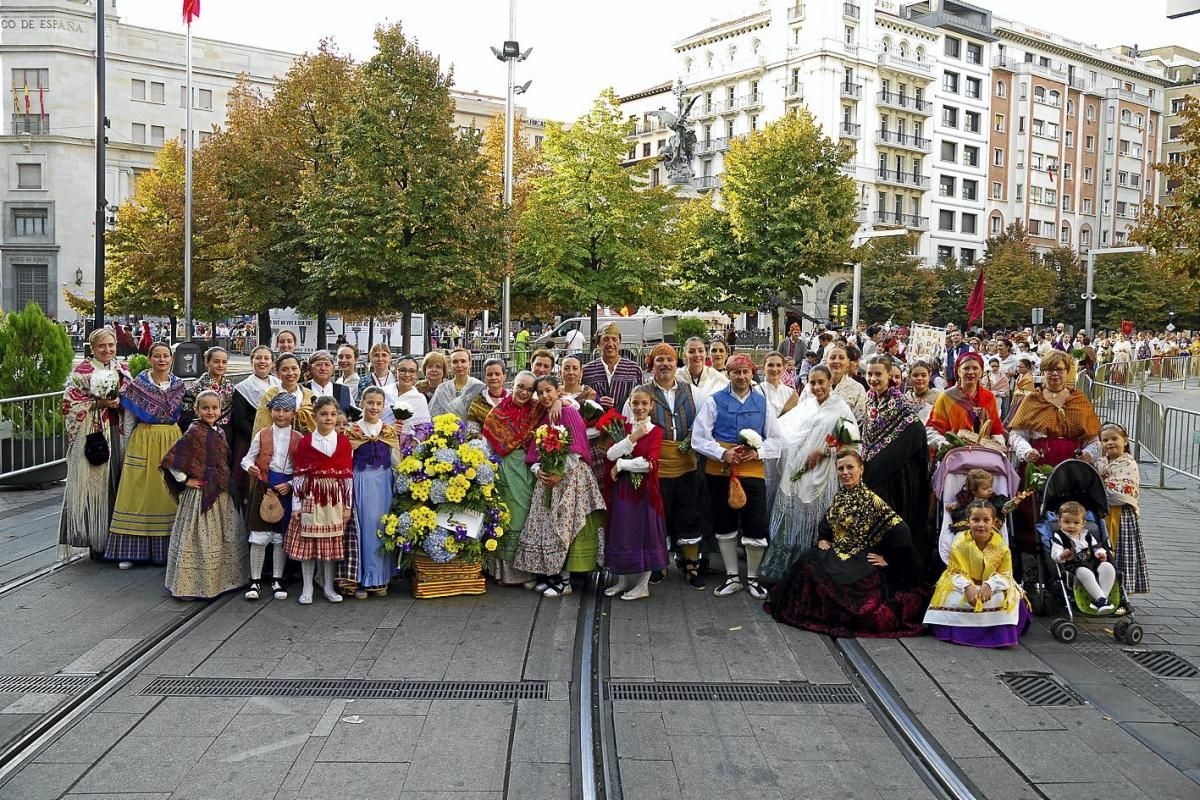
x=1078, y=481
x=949, y=478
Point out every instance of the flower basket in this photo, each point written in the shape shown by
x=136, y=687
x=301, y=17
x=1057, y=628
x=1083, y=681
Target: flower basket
x=460, y=576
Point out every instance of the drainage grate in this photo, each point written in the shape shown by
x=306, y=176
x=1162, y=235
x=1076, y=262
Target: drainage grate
x=1039, y=689
x=347, y=688
x=44, y=684
x=1164, y=663
x=1151, y=688
x=734, y=692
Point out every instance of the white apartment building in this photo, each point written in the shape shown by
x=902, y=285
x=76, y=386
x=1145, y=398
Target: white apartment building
x=961, y=123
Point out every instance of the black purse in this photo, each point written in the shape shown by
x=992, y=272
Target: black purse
x=95, y=446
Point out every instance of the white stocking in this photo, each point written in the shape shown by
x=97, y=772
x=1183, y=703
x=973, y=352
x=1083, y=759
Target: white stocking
x=327, y=583
x=308, y=568
x=754, y=557
x=278, y=560
x=258, y=554
x=621, y=585
x=729, y=553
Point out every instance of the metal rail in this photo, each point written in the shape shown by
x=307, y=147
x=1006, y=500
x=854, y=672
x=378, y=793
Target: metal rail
x=41, y=572
x=1169, y=435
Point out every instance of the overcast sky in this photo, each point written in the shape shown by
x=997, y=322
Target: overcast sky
x=582, y=46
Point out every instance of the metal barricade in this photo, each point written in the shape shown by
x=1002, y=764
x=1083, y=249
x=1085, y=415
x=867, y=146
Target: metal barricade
x=1167, y=435
x=1179, y=443
x=32, y=438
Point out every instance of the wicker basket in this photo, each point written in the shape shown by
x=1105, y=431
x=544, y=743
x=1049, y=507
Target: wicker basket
x=460, y=576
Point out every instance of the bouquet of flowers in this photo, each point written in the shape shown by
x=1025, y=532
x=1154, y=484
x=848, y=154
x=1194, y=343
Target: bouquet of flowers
x=402, y=411
x=612, y=425
x=552, y=443
x=105, y=384
x=591, y=411
x=748, y=437
x=1036, y=476
x=845, y=432
x=446, y=501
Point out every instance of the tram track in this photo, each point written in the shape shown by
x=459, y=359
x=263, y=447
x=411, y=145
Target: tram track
x=40, y=572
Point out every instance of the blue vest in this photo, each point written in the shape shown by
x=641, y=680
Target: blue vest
x=734, y=416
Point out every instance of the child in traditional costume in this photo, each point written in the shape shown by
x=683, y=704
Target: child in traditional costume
x=246, y=396
x=637, y=536
x=1122, y=483
x=1081, y=553
x=322, y=493
x=207, y=555
x=270, y=464
x=366, y=568
x=977, y=601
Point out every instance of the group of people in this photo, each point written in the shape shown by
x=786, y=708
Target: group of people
x=818, y=476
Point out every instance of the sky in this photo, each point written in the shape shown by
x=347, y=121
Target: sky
x=582, y=46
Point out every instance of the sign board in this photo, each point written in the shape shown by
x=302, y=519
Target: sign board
x=451, y=519
x=1037, y=316
x=925, y=341
x=1126, y=327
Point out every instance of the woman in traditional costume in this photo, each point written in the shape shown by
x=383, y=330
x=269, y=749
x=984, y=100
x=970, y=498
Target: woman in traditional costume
x=977, y=602
x=566, y=513
x=145, y=510
x=492, y=395
x=508, y=429
x=381, y=376
x=434, y=369
x=322, y=501
x=570, y=371
x=858, y=580
x=844, y=386
x=207, y=555
x=800, y=504
x=1055, y=423
x=921, y=395
x=287, y=371
x=216, y=364
x=897, y=456
x=419, y=424
x=965, y=406
x=246, y=397
x=92, y=404
x=366, y=568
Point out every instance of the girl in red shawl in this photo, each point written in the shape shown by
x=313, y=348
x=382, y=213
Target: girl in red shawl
x=322, y=489
x=636, y=543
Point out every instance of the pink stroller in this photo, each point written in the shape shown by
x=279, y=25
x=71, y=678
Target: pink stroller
x=950, y=477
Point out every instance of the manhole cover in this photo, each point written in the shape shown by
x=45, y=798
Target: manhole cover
x=346, y=687
x=1164, y=663
x=44, y=684
x=1040, y=689
x=734, y=692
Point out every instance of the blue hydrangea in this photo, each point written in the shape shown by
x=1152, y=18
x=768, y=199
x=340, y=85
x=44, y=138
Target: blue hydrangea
x=405, y=523
x=446, y=455
x=479, y=444
x=484, y=474
x=435, y=547
x=437, y=492
x=402, y=483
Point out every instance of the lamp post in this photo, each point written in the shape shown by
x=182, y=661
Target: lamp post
x=859, y=240
x=1088, y=294
x=510, y=53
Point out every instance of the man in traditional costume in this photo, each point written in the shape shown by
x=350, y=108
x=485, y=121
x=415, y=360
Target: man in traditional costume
x=612, y=375
x=736, y=430
x=321, y=366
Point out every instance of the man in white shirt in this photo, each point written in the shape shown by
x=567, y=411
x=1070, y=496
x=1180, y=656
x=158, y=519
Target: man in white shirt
x=575, y=342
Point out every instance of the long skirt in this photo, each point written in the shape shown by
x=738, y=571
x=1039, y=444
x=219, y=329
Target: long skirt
x=809, y=599
x=372, y=499
x=208, y=554
x=90, y=493
x=1000, y=634
x=637, y=537
x=793, y=531
x=575, y=512
x=515, y=482
x=144, y=511
x=300, y=546
x=1125, y=530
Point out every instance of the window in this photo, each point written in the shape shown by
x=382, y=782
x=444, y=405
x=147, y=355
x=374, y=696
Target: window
x=157, y=135
x=1020, y=159
x=974, y=88
x=1123, y=147
x=139, y=133
x=1020, y=124
x=1001, y=89
x=645, y=149
x=974, y=53
x=1123, y=178
x=654, y=176
x=953, y=47
x=1065, y=235
x=1017, y=192
x=1051, y=197
x=998, y=123
x=946, y=186
x=1066, y=203
x=970, y=189
x=970, y=156
x=1054, y=98
x=997, y=157
x=1024, y=90
x=1068, y=171
x=969, y=222
x=945, y=220
x=1087, y=174
x=1174, y=133
x=158, y=92
x=138, y=91
x=950, y=82
x=949, y=151
x=1085, y=237
x=997, y=190
x=944, y=254
x=29, y=221
x=1070, y=108
x=1035, y=227
x=754, y=122
x=950, y=116
x=1089, y=143
x=1135, y=180
x=31, y=285
x=1177, y=105
x=1069, y=138
x=849, y=34
x=1091, y=112
x=1087, y=205
x=995, y=226
x=29, y=176
x=967, y=256
x=1035, y=194
x=971, y=121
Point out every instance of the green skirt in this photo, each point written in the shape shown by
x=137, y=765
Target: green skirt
x=516, y=489
x=583, y=555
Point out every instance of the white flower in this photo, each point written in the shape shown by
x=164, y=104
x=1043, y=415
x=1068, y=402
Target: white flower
x=104, y=383
x=750, y=438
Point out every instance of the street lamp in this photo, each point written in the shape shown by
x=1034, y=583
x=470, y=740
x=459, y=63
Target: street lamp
x=859, y=240
x=1089, y=295
x=510, y=53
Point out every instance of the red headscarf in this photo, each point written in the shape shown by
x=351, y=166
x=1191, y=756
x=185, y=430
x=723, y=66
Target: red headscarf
x=739, y=361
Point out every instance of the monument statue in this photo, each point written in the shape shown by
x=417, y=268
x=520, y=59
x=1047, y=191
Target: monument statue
x=677, y=155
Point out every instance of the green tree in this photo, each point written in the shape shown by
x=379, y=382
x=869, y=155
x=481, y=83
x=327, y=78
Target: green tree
x=954, y=285
x=707, y=272
x=1141, y=288
x=1070, y=284
x=1017, y=280
x=1173, y=230
x=591, y=236
x=35, y=357
x=894, y=285
x=401, y=219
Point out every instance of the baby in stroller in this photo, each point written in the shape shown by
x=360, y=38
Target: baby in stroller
x=980, y=485
x=1080, y=552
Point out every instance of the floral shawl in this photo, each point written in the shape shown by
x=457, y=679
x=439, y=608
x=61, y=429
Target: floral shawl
x=200, y=453
x=508, y=426
x=205, y=383
x=79, y=400
x=859, y=519
x=888, y=414
x=151, y=405
x=1121, y=480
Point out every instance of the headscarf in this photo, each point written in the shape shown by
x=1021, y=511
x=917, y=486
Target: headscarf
x=739, y=361
x=859, y=519
x=661, y=349
x=283, y=400
x=888, y=414
x=968, y=356
x=611, y=329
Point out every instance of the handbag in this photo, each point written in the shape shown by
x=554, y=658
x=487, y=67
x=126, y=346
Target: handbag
x=737, y=495
x=270, y=510
x=95, y=445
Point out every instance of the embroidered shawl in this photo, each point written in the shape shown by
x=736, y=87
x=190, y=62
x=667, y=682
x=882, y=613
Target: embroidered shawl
x=151, y=405
x=1075, y=420
x=888, y=414
x=954, y=411
x=358, y=437
x=326, y=479
x=79, y=400
x=859, y=519
x=303, y=421
x=509, y=426
x=1121, y=480
x=200, y=453
x=206, y=383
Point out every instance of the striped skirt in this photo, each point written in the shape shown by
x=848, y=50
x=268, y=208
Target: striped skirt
x=1131, y=555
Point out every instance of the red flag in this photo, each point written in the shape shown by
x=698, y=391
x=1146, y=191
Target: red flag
x=975, y=303
x=27, y=110
x=42, y=98
x=191, y=10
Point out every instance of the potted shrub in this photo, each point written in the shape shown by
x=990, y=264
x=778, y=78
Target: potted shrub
x=35, y=358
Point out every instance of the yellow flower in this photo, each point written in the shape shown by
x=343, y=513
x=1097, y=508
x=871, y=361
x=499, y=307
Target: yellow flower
x=498, y=532
x=423, y=518
x=451, y=545
x=488, y=490
x=470, y=474
x=490, y=545
x=409, y=465
x=420, y=490
x=454, y=494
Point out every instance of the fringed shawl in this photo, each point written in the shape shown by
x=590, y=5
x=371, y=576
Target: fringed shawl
x=954, y=411
x=200, y=453
x=151, y=405
x=859, y=519
x=79, y=401
x=508, y=426
x=888, y=414
x=326, y=479
x=205, y=383
x=1075, y=420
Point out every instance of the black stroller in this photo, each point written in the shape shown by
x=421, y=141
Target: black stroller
x=1050, y=584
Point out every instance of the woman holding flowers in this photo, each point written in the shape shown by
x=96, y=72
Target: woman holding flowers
x=92, y=404
x=636, y=542
x=562, y=532
x=844, y=385
x=508, y=429
x=409, y=411
x=810, y=437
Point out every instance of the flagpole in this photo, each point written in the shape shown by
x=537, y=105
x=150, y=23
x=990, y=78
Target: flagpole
x=187, y=200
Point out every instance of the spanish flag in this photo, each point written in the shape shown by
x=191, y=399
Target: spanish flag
x=16, y=102
x=27, y=108
x=191, y=11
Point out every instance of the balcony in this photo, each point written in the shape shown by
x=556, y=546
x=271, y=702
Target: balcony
x=899, y=178
x=752, y=100
x=796, y=12
x=906, y=102
x=922, y=69
x=706, y=146
x=1133, y=97
x=903, y=140
x=707, y=183
x=1000, y=62
x=958, y=17
x=1044, y=134
x=848, y=130
x=910, y=221
x=852, y=90
x=794, y=91
x=643, y=128
x=851, y=10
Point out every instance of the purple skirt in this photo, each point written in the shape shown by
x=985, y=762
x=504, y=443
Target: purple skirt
x=994, y=636
x=636, y=540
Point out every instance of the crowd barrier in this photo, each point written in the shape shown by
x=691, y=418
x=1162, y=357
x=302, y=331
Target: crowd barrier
x=1157, y=372
x=33, y=442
